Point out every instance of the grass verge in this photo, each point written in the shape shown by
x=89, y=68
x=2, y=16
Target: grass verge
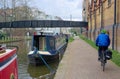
x=71, y=39
x=115, y=54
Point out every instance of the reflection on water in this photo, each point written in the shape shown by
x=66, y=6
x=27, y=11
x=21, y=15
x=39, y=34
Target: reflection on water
x=27, y=71
x=41, y=71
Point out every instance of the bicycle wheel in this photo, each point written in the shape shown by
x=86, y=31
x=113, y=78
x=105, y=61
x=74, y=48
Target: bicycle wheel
x=103, y=66
x=103, y=60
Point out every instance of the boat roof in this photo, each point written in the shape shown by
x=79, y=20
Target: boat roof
x=3, y=52
x=46, y=33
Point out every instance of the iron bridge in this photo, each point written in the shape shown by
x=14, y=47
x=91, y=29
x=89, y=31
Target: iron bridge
x=43, y=23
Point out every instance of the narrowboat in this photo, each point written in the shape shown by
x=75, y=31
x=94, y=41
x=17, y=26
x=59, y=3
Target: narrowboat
x=46, y=47
x=8, y=63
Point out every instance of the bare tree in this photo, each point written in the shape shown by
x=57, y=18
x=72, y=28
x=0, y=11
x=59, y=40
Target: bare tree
x=24, y=9
x=4, y=9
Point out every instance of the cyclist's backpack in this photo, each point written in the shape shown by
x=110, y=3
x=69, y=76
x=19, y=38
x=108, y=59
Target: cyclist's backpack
x=108, y=54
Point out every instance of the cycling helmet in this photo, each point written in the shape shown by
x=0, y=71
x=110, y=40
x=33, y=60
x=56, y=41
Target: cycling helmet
x=103, y=31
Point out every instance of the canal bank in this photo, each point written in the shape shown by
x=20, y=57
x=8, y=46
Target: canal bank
x=80, y=62
x=13, y=40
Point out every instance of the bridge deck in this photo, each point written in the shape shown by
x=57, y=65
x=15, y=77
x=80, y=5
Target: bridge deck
x=42, y=23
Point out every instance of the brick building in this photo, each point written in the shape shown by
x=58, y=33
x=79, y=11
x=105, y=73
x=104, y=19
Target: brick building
x=104, y=14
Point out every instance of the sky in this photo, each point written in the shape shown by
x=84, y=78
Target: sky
x=66, y=9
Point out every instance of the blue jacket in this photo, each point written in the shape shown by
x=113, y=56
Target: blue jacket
x=103, y=40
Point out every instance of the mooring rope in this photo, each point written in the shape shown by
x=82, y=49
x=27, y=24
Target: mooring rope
x=35, y=52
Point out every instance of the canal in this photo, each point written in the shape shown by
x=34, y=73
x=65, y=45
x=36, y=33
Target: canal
x=27, y=71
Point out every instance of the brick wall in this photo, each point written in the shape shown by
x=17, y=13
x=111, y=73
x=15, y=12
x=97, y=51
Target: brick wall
x=108, y=21
x=117, y=43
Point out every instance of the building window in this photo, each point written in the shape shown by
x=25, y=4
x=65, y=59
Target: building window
x=109, y=2
x=51, y=42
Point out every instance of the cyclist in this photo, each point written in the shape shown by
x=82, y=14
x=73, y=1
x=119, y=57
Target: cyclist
x=102, y=41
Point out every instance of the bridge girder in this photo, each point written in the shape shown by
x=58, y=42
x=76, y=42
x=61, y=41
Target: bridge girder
x=43, y=23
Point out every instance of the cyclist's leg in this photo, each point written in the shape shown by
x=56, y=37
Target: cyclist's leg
x=99, y=53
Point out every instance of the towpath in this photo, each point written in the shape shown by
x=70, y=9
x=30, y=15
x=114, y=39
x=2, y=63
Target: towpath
x=80, y=62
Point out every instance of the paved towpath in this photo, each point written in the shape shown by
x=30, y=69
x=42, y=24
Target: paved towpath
x=80, y=62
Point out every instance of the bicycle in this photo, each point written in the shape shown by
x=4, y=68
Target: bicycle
x=103, y=59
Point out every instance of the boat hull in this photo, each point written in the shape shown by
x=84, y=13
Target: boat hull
x=35, y=59
x=8, y=65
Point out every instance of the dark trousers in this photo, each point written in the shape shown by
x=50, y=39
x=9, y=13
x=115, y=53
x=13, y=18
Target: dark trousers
x=100, y=49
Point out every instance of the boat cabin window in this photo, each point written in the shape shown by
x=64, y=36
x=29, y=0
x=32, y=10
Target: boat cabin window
x=60, y=41
x=39, y=43
x=52, y=43
x=42, y=43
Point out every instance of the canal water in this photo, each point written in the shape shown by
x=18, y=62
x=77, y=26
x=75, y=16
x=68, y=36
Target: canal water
x=27, y=71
